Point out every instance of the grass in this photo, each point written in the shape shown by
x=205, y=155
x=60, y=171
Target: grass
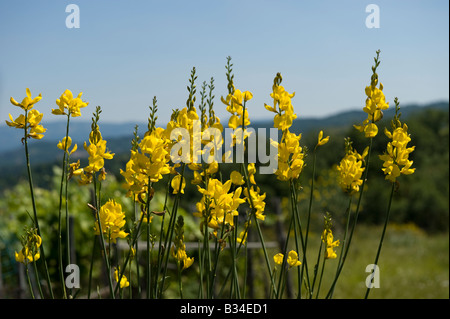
x=413, y=264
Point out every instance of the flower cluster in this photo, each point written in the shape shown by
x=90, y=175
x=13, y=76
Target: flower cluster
x=375, y=104
x=97, y=154
x=351, y=169
x=282, y=105
x=292, y=259
x=70, y=104
x=112, y=221
x=396, y=158
x=30, y=120
x=218, y=205
x=148, y=163
x=178, y=251
x=290, y=153
x=31, y=242
x=123, y=281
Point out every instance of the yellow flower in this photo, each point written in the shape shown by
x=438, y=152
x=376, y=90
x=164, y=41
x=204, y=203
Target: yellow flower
x=175, y=183
x=112, y=221
x=290, y=156
x=282, y=105
x=31, y=242
x=322, y=141
x=236, y=178
x=278, y=258
x=292, y=259
x=221, y=204
x=28, y=102
x=123, y=281
x=251, y=169
x=330, y=244
x=257, y=200
x=375, y=104
x=178, y=251
x=69, y=103
x=97, y=153
x=33, y=118
x=62, y=145
x=350, y=169
x=397, y=154
x=242, y=238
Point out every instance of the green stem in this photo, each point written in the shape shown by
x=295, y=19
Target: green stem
x=33, y=202
x=102, y=240
x=366, y=170
x=60, y=254
x=127, y=259
x=171, y=230
x=321, y=276
x=308, y=219
x=37, y=277
x=297, y=216
x=316, y=269
x=149, y=274
x=92, y=266
x=383, y=233
x=29, y=281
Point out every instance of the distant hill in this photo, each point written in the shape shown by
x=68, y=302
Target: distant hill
x=120, y=135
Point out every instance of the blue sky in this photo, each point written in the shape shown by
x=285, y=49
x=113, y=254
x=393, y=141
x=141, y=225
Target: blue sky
x=126, y=52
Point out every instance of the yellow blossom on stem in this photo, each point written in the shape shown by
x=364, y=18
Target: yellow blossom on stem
x=112, y=220
x=278, y=258
x=396, y=158
x=236, y=178
x=70, y=104
x=175, y=183
x=28, y=102
x=330, y=244
x=62, y=145
x=322, y=141
x=31, y=118
x=123, y=281
x=292, y=259
x=351, y=169
x=375, y=104
x=30, y=252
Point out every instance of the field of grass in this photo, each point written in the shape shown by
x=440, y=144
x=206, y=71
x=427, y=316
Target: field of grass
x=413, y=264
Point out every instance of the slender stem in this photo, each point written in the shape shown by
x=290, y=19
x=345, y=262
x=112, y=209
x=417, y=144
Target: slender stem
x=37, y=277
x=33, y=202
x=66, y=180
x=344, y=241
x=316, y=268
x=60, y=254
x=102, y=241
x=92, y=266
x=383, y=233
x=127, y=259
x=309, y=218
x=180, y=284
x=171, y=229
x=29, y=281
x=366, y=170
x=321, y=276
x=297, y=216
x=149, y=274
x=279, y=294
